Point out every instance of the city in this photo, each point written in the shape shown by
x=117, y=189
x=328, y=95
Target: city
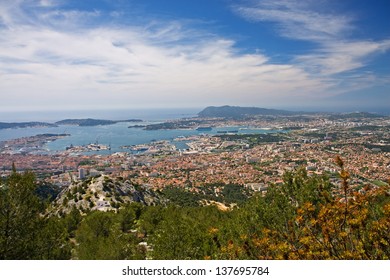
x=311, y=141
x=246, y=130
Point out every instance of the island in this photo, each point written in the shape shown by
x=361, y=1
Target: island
x=5, y=125
x=92, y=122
x=176, y=124
x=76, y=122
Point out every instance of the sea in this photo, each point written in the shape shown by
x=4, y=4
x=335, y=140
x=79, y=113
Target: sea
x=117, y=135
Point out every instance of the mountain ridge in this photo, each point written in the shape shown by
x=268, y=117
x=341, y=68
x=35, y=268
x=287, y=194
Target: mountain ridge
x=227, y=111
x=76, y=122
x=7, y=125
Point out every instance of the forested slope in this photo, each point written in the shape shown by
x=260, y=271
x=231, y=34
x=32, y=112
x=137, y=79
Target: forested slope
x=306, y=217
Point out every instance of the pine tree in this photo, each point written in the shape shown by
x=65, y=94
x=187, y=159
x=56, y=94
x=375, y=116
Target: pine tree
x=19, y=217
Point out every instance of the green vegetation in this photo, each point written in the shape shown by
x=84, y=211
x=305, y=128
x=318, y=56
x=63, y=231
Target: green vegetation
x=177, y=124
x=379, y=183
x=382, y=148
x=92, y=122
x=305, y=217
x=356, y=115
x=237, y=112
x=227, y=193
x=369, y=128
x=87, y=162
x=254, y=139
x=4, y=125
x=102, y=236
x=24, y=233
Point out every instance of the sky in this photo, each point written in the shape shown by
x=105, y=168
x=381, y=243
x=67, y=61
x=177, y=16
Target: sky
x=118, y=54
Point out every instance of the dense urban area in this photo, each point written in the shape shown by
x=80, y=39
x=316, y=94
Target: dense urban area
x=254, y=160
x=221, y=178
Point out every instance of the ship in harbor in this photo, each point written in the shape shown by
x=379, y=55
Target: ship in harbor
x=204, y=128
x=227, y=131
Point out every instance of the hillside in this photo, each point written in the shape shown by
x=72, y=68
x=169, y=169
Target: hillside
x=5, y=125
x=239, y=112
x=354, y=115
x=323, y=220
x=79, y=122
x=92, y=122
x=102, y=193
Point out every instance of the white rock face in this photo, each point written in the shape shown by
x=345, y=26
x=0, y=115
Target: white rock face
x=103, y=194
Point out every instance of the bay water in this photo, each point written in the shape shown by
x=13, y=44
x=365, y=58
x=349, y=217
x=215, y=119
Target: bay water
x=119, y=134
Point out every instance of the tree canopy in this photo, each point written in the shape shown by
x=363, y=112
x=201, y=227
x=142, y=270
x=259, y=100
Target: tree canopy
x=305, y=217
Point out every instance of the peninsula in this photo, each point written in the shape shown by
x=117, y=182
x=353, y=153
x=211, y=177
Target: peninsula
x=4, y=125
x=92, y=122
x=241, y=112
x=75, y=122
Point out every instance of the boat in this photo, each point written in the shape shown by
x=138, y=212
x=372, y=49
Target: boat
x=204, y=128
x=227, y=131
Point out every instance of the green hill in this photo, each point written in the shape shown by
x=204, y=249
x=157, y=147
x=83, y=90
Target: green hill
x=240, y=112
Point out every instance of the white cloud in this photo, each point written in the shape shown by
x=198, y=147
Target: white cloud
x=119, y=66
x=112, y=64
x=54, y=58
x=67, y=18
x=335, y=56
x=339, y=57
x=297, y=19
x=48, y=3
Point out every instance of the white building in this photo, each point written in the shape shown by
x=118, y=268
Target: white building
x=81, y=173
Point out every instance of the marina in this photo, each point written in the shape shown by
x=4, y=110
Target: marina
x=108, y=139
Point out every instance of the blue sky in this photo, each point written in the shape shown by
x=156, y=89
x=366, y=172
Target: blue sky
x=118, y=54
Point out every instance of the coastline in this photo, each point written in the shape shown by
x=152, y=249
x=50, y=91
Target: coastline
x=114, y=136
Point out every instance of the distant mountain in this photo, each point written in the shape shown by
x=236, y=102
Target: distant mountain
x=92, y=122
x=4, y=125
x=78, y=122
x=239, y=112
